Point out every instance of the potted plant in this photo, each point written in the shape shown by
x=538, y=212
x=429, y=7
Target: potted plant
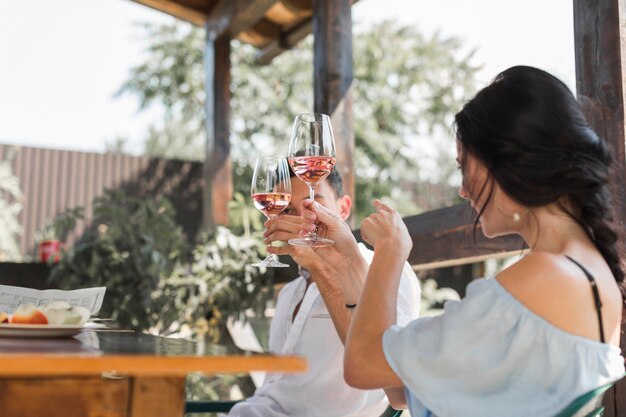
x=54, y=233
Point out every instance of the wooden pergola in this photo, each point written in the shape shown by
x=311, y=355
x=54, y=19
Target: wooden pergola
x=273, y=27
x=442, y=237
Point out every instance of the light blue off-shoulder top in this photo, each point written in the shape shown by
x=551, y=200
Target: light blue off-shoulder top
x=489, y=355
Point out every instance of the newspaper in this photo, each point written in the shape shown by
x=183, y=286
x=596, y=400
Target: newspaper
x=11, y=297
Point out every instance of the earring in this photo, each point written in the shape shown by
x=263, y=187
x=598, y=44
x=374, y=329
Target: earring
x=515, y=217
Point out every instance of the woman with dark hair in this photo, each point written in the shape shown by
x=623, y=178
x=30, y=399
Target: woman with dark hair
x=541, y=332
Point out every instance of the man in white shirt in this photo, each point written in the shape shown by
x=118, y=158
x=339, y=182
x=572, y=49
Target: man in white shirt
x=312, y=317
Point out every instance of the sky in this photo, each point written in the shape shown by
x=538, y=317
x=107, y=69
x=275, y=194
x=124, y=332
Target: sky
x=62, y=61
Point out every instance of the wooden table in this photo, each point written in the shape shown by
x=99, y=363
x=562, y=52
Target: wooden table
x=112, y=373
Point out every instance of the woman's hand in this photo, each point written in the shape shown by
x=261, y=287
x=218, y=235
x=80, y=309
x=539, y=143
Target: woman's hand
x=385, y=228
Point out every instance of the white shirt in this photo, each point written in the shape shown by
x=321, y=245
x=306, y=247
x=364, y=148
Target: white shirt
x=321, y=391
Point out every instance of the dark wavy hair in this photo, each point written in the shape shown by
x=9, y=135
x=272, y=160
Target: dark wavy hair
x=529, y=131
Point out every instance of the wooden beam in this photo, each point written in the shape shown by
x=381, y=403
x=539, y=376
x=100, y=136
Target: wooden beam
x=231, y=17
x=333, y=76
x=445, y=237
x=284, y=42
x=600, y=45
x=217, y=172
x=189, y=14
x=298, y=6
x=262, y=33
x=442, y=238
x=288, y=39
x=286, y=15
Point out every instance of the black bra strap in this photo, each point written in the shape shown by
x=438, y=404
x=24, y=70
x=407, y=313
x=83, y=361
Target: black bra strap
x=596, y=296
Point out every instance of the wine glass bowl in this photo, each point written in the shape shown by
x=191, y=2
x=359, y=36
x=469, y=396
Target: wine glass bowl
x=271, y=193
x=312, y=169
x=312, y=158
x=271, y=204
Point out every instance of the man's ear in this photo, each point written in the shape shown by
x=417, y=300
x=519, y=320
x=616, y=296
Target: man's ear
x=345, y=205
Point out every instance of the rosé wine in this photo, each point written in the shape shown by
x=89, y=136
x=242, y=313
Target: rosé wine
x=312, y=169
x=271, y=203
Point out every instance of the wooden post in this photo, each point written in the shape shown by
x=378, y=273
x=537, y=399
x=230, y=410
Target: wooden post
x=217, y=172
x=600, y=39
x=332, y=78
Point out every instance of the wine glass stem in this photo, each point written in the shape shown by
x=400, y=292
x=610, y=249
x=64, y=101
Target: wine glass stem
x=270, y=256
x=313, y=234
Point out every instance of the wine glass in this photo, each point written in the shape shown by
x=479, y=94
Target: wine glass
x=271, y=193
x=311, y=157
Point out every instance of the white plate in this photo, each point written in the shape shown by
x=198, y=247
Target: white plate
x=38, y=330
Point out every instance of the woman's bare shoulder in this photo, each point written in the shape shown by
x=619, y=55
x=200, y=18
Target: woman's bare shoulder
x=534, y=268
x=545, y=281
x=545, y=270
x=553, y=287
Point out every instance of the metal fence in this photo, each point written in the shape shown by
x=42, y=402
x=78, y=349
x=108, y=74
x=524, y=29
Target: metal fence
x=54, y=180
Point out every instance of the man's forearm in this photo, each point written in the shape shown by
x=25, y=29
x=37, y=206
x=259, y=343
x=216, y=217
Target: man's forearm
x=339, y=291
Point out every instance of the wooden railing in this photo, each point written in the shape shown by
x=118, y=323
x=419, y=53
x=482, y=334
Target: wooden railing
x=448, y=237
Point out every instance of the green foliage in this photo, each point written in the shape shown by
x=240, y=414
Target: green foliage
x=136, y=250
x=433, y=298
x=202, y=387
x=116, y=145
x=219, y=283
x=266, y=99
x=243, y=219
x=11, y=198
x=62, y=224
x=172, y=73
x=406, y=90
x=172, y=76
x=132, y=244
x=262, y=107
